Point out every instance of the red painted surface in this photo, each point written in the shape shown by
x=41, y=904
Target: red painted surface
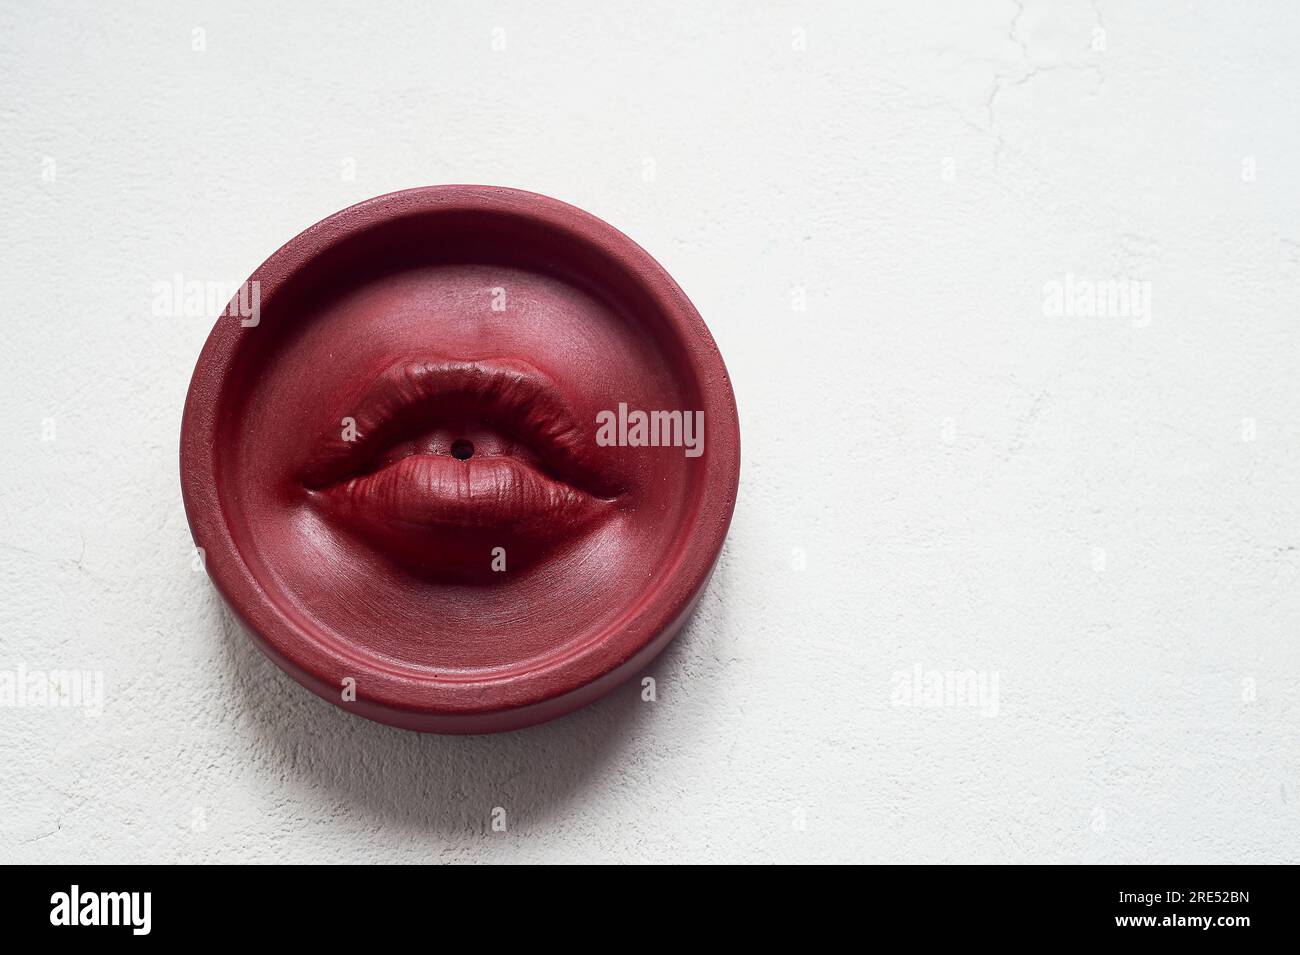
x=424, y=466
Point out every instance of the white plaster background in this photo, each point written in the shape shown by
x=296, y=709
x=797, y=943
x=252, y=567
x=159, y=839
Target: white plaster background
x=948, y=458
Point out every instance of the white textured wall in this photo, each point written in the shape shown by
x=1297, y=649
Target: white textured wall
x=1073, y=506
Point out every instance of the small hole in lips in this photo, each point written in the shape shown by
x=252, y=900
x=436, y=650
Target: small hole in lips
x=462, y=449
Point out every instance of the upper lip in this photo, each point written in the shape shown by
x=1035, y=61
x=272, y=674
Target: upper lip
x=508, y=396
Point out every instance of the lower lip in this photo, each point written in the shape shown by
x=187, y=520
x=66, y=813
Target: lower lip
x=436, y=490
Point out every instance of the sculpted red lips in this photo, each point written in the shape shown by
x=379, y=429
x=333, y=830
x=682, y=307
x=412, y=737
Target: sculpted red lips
x=444, y=457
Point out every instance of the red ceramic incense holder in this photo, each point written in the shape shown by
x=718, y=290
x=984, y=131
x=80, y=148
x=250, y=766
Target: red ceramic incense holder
x=461, y=458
